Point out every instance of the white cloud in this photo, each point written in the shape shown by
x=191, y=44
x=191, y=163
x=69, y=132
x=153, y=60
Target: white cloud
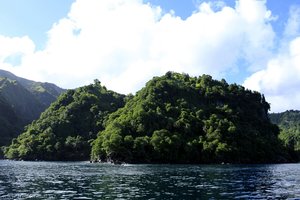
x=124, y=43
x=12, y=48
x=13, y=45
x=292, y=28
x=280, y=81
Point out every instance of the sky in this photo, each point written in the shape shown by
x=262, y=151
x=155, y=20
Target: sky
x=124, y=43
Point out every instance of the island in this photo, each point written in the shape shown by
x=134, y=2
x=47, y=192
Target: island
x=175, y=118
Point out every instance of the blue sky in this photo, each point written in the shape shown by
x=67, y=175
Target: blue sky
x=36, y=17
x=31, y=17
x=124, y=43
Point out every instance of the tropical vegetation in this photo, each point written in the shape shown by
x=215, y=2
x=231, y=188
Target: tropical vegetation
x=175, y=118
x=64, y=131
x=289, y=124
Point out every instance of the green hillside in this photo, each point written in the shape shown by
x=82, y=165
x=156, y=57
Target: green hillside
x=10, y=123
x=26, y=106
x=181, y=119
x=21, y=102
x=175, y=118
x=289, y=124
x=46, y=93
x=65, y=129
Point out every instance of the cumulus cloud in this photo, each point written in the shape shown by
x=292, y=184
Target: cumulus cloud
x=12, y=48
x=280, y=80
x=292, y=28
x=124, y=43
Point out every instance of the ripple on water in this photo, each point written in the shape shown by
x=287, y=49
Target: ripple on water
x=81, y=180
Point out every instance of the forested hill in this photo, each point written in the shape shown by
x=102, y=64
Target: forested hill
x=175, y=118
x=289, y=124
x=45, y=93
x=286, y=119
x=21, y=101
x=10, y=123
x=64, y=131
x=181, y=119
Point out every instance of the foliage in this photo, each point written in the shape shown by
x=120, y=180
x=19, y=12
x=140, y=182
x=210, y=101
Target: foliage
x=45, y=93
x=289, y=124
x=21, y=102
x=64, y=131
x=181, y=119
x=10, y=123
x=173, y=119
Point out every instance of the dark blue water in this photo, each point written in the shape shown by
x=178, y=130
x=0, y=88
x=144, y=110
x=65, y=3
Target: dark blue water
x=82, y=180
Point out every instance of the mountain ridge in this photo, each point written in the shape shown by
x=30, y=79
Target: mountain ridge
x=175, y=118
x=64, y=130
x=44, y=91
x=21, y=102
x=289, y=124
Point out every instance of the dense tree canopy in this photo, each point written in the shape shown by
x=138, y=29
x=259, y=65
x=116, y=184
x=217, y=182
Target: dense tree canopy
x=21, y=102
x=65, y=129
x=181, y=119
x=289, y=124
x=10, y=124
x=175, y=118
x=45, y=93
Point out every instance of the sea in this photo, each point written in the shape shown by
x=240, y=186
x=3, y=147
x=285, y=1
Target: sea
x=84, y=180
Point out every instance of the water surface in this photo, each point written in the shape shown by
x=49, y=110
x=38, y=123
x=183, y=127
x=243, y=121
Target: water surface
x=82, y=180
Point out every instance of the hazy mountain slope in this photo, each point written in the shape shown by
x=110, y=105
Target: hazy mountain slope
x=10, y=123
x=46, y=93
x=289, y=124
x=21, y=102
